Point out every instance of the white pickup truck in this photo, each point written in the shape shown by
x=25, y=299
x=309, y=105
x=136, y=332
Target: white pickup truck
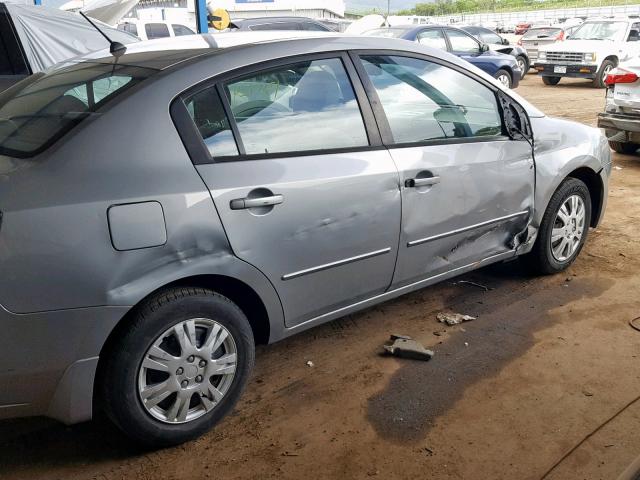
x=621, y=117
x=591, y=52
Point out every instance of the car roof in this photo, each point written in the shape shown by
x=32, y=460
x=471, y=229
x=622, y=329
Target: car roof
x=163, y=53
x=273, y=19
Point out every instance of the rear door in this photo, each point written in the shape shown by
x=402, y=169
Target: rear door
x=305, y=191
x=467, y=188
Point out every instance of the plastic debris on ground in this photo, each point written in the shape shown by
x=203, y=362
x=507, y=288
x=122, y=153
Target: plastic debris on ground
x=406, y=347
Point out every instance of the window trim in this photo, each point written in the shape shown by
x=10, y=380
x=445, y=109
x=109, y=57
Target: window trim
x=381, y=117
x=196, y=147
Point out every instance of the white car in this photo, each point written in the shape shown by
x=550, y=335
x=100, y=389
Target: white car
x=152, y=29
x=621, y=118
x=591, y=52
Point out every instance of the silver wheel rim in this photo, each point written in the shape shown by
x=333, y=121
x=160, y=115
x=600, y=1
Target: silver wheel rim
x=522, y=66
x=605, y=72
x=187, y=371
x=568, y=228
x=504, y=80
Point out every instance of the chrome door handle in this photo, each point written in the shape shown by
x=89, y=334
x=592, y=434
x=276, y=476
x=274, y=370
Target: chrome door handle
x=247, y=202
x=421, y=182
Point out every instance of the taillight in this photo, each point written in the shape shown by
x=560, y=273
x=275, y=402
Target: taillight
x=560, y=36
x=620, y=75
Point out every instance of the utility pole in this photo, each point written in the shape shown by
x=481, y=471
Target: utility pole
x=388, y=8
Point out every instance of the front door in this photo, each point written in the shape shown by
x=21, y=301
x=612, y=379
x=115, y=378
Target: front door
x=467, y=188
x=303, y=194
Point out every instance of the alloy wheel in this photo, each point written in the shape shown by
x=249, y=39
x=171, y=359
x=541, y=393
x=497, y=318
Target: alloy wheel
x=187, y=370
x=568, y=228
x=504, y=80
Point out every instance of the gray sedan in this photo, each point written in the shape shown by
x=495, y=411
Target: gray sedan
x=163, y=212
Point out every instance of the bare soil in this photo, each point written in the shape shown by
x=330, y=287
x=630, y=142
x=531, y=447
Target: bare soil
x=534, y=388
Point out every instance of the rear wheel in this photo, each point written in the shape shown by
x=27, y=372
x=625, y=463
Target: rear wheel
x=504, y=77
x=624, y=147
x=179, y=367
x=605, y=68
x=564, y=228
x=551, y=80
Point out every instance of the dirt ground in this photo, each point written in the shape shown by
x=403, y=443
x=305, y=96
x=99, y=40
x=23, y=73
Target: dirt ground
x=535, y=388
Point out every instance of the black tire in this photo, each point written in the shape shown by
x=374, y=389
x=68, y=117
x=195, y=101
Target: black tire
x=624, y=147
x=551, y=80
x=598, y=82
x=541, y=259
x=521, y=59
x=119, y=383
x=506, y=74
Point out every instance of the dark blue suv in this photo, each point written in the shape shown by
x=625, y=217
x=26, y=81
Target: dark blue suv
x=499, y=65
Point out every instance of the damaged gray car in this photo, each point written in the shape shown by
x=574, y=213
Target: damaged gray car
x=164, y=211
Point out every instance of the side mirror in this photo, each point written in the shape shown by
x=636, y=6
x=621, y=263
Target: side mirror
x=505, y=41
x=484, y=48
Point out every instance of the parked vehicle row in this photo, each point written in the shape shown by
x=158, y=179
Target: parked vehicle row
x=503, y=67
x=289, y=182
x=591, y=51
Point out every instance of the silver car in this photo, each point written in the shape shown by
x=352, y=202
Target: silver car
x=164, y=211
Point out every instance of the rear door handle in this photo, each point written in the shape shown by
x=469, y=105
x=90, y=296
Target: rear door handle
x=421, y=182
x=247, y=202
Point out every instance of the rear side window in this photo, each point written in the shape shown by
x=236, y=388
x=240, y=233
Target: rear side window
x=301, y=107
x=314, y=27
x=41, y=109
x=181, y=30
x=424, y=101
x=432, y=38
x=461, y=42
x=156, y=30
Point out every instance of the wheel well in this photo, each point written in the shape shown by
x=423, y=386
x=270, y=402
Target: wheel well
x=594, y=184
x=613, y=58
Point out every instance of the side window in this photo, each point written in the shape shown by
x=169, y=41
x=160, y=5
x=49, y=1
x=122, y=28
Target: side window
x=129, y=28
x=461, y=42
x=301, y=107
x=432, y=38
x=207, y=112
x=488, y=36
x=314, y=27
x=277, y=26
x=12, y=61
x=425, y=101
x=181, y=30
x=156, y=30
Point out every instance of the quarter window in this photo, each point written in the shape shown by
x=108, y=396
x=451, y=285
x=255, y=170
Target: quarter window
x=432, y=38
x=461, y=42
x=207, y=112
x=301, y=107
x=425, y=101
x=181, y=30
x=156, y=30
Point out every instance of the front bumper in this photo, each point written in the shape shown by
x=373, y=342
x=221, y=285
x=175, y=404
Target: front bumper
x=573, y=71
x=48, y=361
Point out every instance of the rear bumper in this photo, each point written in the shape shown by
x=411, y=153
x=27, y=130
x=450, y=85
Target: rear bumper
x=48, y=361
x=573, y=71
x=619, y=122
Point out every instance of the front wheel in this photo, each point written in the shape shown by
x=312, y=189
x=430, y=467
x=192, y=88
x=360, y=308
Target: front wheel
x=504, y=77
x=178, y=368
x=564, y=228
x=523, y=65
x=551, y=80
x=605, y=68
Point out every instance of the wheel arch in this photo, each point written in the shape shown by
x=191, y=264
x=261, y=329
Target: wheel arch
x=596, y=190
x=613, y=58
